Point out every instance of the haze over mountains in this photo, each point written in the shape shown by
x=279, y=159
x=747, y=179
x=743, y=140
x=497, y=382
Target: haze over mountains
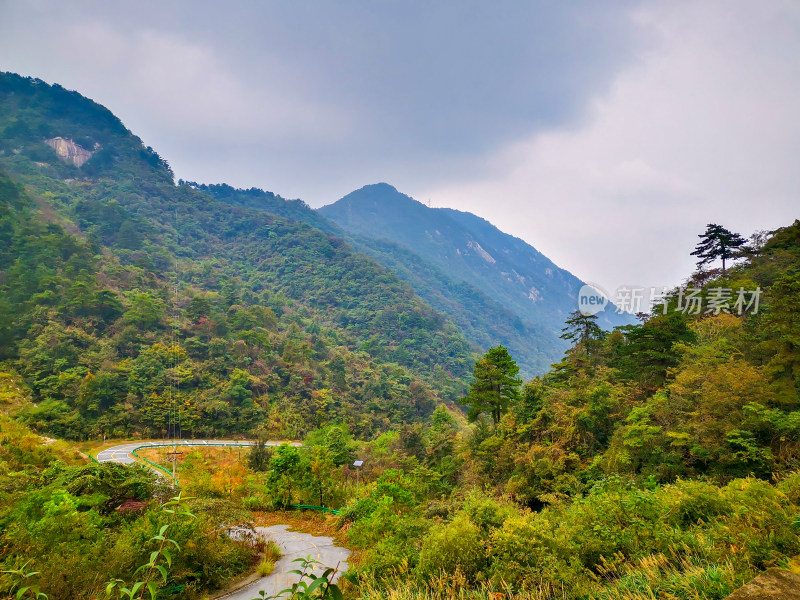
x=492, y=287
x=495, y=287
x=491, y=279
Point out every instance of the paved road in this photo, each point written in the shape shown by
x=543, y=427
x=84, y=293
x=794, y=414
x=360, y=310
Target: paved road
x=122, y=453
x=293, y=545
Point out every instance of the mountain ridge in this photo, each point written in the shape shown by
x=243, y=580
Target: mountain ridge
x=273, y=324
x=470, y=250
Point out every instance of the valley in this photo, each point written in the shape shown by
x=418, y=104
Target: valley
x=463, y=428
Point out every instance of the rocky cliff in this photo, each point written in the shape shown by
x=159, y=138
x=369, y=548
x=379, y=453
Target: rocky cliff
x=69, y=151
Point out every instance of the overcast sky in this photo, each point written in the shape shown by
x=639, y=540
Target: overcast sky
x=606, y=134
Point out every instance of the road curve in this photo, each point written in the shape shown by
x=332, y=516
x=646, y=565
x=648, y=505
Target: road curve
x=122, y=453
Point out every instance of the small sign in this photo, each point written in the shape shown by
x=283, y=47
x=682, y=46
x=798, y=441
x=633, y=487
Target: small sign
x=358, y=463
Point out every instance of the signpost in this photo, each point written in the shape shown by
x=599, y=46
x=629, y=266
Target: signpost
x=357, y=465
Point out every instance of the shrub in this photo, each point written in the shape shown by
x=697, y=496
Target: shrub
x=452, y=546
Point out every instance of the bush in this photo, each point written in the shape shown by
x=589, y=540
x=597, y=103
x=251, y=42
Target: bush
x=452, y=546
x=257, y=503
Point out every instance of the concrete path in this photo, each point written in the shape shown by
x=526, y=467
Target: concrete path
x=293, y=545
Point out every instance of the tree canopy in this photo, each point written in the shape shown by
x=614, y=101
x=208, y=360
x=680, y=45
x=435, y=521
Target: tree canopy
x=496, y=385
x=717, y=242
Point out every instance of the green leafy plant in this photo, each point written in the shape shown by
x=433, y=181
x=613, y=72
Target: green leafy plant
x=309, y=584
x=20, y=589
x=176, y=509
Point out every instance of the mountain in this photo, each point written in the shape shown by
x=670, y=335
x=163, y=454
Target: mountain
x=261, y=200
x=122, y=291
x=483, y=321
x=515, y=292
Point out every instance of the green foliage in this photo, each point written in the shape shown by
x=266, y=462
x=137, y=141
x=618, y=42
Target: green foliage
x=258, y=456
x=717, y=242
x=21, y=588
x=286, y=473
x=638, y=467
x=496, y=385
x=98, y=358
x=70, y=522
x=645, y=353
x=160, y=559
x=581, y=329
x=309, y=585
x=323, y=333
x=456, y=545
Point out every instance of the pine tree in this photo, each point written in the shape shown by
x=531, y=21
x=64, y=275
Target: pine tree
x=717, y=242
x=496, y=385
x=581, y=328
x=258, y=458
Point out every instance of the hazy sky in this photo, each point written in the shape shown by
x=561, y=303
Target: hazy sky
x=606, y=134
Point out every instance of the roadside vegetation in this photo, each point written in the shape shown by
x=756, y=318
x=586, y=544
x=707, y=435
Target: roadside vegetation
x=658, y=460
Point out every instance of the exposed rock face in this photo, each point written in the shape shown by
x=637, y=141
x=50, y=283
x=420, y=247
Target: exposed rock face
x=69, y=151
x=772, y=584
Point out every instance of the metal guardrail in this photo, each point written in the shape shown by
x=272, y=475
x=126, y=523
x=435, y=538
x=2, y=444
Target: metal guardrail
x=183, y=443
x=150, y=462
x=333, y=511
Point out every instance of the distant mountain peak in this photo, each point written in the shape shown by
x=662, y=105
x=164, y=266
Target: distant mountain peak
x=379, y=192
x=472, y=259
x=381, y=186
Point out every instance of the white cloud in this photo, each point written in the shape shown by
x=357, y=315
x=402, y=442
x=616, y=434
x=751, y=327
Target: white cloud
x=700, y=125
x=172, y=84
x=702, y=128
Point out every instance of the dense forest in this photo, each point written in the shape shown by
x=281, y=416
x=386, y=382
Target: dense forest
x=658, y=460
x=122, y=287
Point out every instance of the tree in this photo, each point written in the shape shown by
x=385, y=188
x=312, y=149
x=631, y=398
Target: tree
x=286, y=468
x=496, y=385
x=146, y=311
x=717, y=242
x=320, y=474
x=645, y=353
x=258, y=457
x=581, y=328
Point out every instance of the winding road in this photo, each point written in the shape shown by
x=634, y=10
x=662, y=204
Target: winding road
x=123, y=453
x=292, y=544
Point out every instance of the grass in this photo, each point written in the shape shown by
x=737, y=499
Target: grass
x=265, y=568
x=272, y=554
x=215, y=471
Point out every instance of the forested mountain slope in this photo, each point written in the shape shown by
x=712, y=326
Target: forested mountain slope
x=274, y=323
x=483, y=321
x=470, y=262
x=658, y=460
x=488, y=302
